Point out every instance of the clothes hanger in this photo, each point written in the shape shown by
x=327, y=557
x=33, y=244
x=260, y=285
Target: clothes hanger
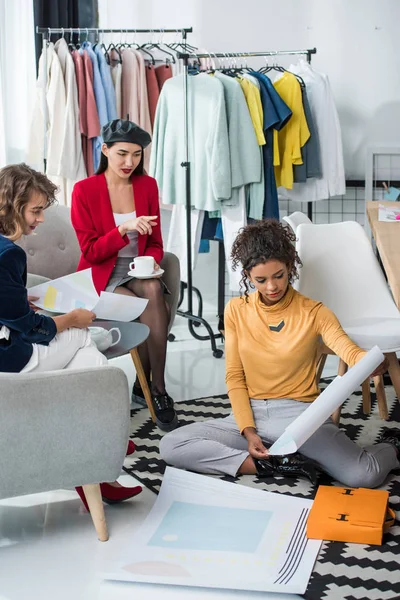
x=160, y=46
x=71, y=44
x=112, y=47
x=122, y=44
x=162, y=49
x=142, y=49
x=102, y=46
x=179, y=45
x=280, y=69
x=232, y=69
x=78, y=44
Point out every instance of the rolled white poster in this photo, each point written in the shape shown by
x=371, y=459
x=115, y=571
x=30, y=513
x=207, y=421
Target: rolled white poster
x=327, y=402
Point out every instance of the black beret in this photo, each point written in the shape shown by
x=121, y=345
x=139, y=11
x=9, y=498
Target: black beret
x=120, y=130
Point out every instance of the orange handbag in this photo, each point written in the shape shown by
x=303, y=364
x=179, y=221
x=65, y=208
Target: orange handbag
x=355, y=515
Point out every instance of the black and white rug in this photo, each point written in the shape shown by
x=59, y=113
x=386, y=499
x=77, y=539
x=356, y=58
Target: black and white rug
x=342, y=571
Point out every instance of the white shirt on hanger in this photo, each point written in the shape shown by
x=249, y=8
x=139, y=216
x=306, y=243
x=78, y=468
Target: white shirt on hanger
x=326, y=120
x=38, y=130
x=56, y=117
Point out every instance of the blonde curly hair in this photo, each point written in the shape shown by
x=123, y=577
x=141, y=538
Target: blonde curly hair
x=17, y=183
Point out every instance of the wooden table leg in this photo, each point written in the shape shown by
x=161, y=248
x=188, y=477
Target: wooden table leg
x=342, y=370
x=394, y=372
x=336, y=416
x=143, y=382
x=381, y=397
x=320, y=367
x=93, y=497
x=366, y=397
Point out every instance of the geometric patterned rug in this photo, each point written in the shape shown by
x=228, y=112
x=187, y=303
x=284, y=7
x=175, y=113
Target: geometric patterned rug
x=342, y=571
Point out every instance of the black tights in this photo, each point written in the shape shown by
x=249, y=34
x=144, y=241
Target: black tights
x=156, y=316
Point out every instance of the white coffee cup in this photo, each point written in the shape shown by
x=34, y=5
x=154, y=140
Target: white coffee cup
x=103, y=338
x=142, y=265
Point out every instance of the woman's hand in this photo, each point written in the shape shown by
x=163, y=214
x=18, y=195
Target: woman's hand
x=381, y=369
x=255, y=444
x=81, y=318
x=143, y=225
x=31, y=300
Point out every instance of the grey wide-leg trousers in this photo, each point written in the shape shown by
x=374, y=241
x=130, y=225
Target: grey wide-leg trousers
x=217, y=447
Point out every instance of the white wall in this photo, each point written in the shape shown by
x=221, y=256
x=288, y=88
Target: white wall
x=357, y=42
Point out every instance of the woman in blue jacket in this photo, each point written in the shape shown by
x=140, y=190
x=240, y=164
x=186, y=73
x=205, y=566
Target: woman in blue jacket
x=31, y=342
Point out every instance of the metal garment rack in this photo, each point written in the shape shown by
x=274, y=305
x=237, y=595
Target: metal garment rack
x=196, y=320
x=47, y=32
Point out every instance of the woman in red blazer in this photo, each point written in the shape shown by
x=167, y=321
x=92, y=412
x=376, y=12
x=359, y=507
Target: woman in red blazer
x=116, y=216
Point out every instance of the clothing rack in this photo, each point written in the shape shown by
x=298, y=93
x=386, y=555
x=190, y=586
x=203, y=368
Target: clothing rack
x=47, y=32
x=196, y=320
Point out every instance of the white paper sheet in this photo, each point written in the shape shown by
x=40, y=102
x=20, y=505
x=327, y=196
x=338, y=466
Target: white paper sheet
x=204, y=532
x=77, y=291
x=388, y=215
x=331, y=398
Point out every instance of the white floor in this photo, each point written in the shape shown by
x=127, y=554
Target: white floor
x=48, y=546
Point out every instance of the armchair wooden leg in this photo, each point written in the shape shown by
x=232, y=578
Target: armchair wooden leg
x=366, y=397
x=394, y=372
x=381, y=397
x=143, y=382
x=95, y=503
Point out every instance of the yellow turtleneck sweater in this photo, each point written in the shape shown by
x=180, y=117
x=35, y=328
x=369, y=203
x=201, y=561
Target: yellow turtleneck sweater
x=271, y=351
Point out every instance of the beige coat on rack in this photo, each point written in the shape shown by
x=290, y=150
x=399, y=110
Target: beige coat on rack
x=64, y=153
x=56, y=104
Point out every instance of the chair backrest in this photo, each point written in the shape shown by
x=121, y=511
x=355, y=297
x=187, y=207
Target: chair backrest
x=73, y=423
x=54, y=250
x=340, y=269
x=296, y=219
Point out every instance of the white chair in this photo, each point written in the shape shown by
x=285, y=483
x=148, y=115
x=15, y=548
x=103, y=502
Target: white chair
x=340, y=269
x=296, y=219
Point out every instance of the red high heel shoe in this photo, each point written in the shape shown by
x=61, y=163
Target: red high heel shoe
x=111, y=494
x=131, y=448
x=82, y=497
x=114, y=495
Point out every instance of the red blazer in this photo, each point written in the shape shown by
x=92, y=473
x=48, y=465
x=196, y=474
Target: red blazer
x=93, y=220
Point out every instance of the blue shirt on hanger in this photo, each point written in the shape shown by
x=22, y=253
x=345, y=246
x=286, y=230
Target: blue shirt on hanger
x=276, y=115
x=108, y=85
x=310, y=152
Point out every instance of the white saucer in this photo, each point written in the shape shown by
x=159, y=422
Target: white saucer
x=153, y=275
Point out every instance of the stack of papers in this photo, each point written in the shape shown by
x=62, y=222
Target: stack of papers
x=204, y=532
x=388, y=215
x=77, y=291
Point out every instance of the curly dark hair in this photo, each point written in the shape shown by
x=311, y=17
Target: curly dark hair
x=265, y=240
x=17, y=183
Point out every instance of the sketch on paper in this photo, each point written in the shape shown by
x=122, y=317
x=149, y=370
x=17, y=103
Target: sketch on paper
x=233, y=538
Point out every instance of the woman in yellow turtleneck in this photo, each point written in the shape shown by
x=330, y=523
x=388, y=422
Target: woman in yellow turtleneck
x=272, y=337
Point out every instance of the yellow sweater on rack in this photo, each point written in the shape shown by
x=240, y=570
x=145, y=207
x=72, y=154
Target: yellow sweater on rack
x=271, y=351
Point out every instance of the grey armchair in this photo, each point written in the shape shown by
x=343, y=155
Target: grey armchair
x=77, y=434
x=54, y=252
